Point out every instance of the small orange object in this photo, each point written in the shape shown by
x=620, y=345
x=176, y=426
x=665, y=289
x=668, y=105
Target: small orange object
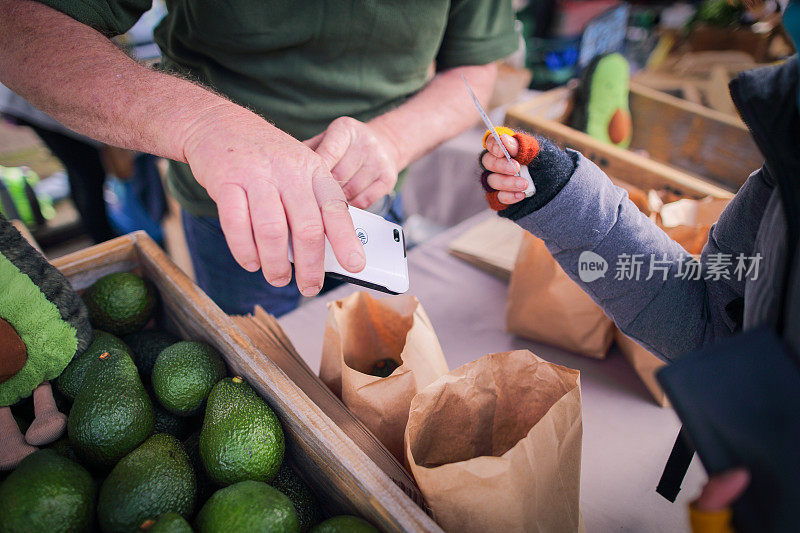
x=104, y=355
x=237, y=379
x=147, y=524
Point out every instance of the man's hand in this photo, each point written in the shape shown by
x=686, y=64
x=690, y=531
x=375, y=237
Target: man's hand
x=362, y=158
x=266, y=183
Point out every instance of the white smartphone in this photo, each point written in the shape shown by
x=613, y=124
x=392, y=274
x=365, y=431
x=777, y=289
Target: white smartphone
x=385, y=248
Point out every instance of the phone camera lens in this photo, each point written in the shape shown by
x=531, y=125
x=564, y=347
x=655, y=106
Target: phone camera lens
x=396, y=236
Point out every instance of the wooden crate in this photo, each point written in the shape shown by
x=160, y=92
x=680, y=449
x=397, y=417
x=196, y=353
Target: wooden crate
x=692, y=149
x=342, y=475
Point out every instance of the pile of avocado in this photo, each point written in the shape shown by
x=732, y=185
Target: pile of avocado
x=159, y=439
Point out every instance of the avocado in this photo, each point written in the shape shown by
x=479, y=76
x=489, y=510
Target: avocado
x=167, y=523
x=146, y=345
x=305, y=503
x=245, y=507
x=384, y=367
x=112, y=413
x=241, y=436
x=153, y=479
x=47, y=492
x=177, y=426
x=345, y=524
x=71, y=379
x=183, y=375
x=120, y=303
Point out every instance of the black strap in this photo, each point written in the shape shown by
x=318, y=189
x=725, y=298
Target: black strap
x=677, y=465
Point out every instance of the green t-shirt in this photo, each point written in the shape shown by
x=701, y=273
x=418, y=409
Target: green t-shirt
x=303, y=64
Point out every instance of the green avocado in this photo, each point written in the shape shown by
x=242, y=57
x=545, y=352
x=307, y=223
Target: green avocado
x=153, y=479
x=167, y=523
x=120, y=303
x=47, y=492
x=241, y=436
x=112, y=413
x=183, y=375
x=345, y=524
x=71, y=379
x=305, y=503
x=146, y=345
x=246, y=507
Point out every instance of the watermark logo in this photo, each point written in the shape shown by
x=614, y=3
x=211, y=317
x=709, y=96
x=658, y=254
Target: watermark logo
x=362, y=235
x=591, y=266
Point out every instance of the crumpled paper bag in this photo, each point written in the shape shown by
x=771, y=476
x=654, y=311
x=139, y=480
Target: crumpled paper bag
x=496, y=445
x=360, y=331
x=545, y=305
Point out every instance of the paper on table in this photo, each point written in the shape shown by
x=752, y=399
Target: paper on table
x=360, y=331
x=491, y=246
x=496, y=445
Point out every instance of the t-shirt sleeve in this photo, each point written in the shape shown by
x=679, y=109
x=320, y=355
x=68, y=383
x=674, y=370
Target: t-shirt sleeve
x=478, y=32
x=109, y=17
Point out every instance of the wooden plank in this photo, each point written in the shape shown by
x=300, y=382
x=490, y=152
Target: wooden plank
x=84, y=267
x=329, y=459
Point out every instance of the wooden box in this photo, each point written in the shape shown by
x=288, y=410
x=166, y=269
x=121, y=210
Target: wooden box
x=344, y=478
x=676, y=144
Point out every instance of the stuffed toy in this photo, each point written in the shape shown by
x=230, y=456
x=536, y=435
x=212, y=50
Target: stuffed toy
x=43, y=325
x=601, y=107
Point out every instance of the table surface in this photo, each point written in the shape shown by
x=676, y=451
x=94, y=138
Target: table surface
x=626, y=436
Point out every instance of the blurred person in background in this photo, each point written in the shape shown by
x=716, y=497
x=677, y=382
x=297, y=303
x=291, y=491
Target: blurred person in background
x=274, y=114
x=79, y=155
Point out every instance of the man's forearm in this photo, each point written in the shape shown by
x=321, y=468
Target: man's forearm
x=440, y=111
x=82, y=79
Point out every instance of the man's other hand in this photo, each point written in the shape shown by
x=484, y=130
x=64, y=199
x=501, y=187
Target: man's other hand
x=361, y=157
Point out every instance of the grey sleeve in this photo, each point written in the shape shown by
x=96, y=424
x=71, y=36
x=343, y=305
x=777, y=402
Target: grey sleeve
x=668, y=307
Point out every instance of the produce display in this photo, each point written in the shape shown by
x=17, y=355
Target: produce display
x=158, y=438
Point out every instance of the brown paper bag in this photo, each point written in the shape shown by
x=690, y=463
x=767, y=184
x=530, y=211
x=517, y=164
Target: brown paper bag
x=361, y=331
x=545, y=305
x=496, y=445
x=644, y=363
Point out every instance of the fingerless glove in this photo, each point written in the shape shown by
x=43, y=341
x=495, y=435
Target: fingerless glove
x=550, y=168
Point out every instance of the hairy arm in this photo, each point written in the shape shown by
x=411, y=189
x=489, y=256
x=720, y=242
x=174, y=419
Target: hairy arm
x=440, y=111
x=82, y=79
x=264, y=181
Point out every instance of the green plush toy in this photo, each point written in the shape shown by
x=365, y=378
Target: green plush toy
x=601, y=102
x=43, y=325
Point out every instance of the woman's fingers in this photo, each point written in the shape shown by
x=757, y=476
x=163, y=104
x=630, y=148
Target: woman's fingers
x=500, y=164
x=503, y=182
x=510, y=143
x=510, y=198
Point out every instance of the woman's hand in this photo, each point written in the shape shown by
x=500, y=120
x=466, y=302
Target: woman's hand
x=503, y=176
